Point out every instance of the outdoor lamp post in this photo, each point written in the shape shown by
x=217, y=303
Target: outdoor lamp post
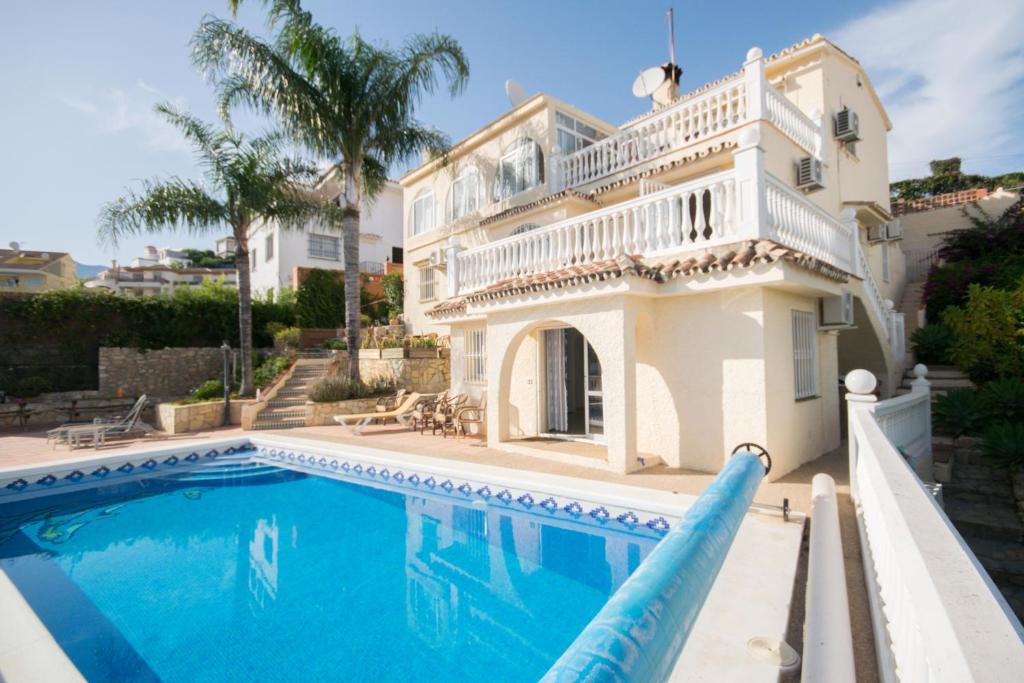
x=225, y=349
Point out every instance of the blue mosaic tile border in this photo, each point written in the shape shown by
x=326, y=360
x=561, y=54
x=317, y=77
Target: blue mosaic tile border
x=117, y=470
x=458, y=488
x=467, y=490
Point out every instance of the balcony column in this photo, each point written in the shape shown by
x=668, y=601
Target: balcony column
x=820, y=149
x=848, y=217
x=753, y=73
x=752, y=197
x=451, y=257
x=556, y=183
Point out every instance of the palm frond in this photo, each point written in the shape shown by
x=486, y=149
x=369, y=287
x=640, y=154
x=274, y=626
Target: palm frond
x=162, y=205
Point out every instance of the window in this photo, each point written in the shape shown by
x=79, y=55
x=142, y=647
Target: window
x=464, y=194
x=397, y=255
x=269, y=247
x=805, y=355
x=885, y=262
x=521, y=167
x=324, y=246
x=423, y=212
x=573, y=135
x=428, y=286
x=251, y=267
x=475, y=355
x=525, y=227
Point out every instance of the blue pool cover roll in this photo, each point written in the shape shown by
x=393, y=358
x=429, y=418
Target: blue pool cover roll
x=638, y=634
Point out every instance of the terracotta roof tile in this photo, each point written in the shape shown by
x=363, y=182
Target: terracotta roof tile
x=546, y=199
x=725, y=258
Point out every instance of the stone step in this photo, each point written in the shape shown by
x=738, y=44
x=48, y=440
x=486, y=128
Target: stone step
x=992, y=522
x=287, y=423
x=937, y=374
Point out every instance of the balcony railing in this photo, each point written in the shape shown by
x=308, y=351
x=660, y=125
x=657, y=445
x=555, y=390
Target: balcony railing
x=935, y=613
x=738, y=100
x=707, y=212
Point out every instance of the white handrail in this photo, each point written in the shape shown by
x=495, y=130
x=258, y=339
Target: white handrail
x=708, y=113
x=700, y=213
x=788, y=118
x=798, y=223
x=936, y=613
x=828, y=642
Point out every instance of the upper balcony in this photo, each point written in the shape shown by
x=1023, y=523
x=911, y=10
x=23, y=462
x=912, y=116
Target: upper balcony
x=737, y=100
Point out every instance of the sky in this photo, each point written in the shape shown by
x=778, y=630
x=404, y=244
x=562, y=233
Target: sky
x=78, y=82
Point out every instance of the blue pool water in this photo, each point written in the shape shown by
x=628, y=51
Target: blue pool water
x=255, y=573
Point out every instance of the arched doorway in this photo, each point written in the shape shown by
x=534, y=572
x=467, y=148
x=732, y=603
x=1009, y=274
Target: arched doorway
x=571, y=400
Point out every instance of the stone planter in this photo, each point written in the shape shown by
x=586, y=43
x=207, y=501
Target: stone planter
x=943, y=470
x=422, y=353
x=369, y=354
x=194, y=417
x=318, y=414
x=392, y=353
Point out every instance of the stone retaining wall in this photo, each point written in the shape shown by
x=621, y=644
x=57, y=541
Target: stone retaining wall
x=193, y=417
x=165, y=373
x=323, y=413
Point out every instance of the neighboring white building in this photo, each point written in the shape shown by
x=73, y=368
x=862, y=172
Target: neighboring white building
x=276, y=254
x=155, y=279
x=225, y=246
x=164, y=256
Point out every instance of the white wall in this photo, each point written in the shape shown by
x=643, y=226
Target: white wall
x=380, y=229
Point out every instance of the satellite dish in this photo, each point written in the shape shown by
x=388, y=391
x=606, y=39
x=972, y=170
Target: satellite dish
x=648, y=81
x=15, y=247
x=515, y=92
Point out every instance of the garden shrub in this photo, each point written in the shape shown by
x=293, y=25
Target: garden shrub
x=960, y=412
x=931, y=344
x=30, y=387
x=209, y=390
x=320, y=301
x=1004, y=399
x=394, y=290
x=1003, y=444
x=336, y=345
x=988, y=333
x=333, y=389
x=269, y=370
x=287, y=338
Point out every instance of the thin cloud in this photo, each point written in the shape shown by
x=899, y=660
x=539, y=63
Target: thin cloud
x=119, y=111
x=951, y=75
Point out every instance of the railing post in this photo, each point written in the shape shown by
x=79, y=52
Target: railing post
x=820, y=150
x=556, y=183
x=452, y=259
x=748, y=160
x=921, y=385
x=860, y=398
x=848, y=217
x=753, y=72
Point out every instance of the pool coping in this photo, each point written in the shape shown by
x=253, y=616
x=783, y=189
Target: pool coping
x=603, y=502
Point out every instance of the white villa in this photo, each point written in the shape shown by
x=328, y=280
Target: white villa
x=276, y=255
x=701, y=276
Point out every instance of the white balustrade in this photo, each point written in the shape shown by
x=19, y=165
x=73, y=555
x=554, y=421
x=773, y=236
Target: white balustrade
x=701, y=213
x=788, y=118
x=800, y=224
x=688, y=120
x=935, y=612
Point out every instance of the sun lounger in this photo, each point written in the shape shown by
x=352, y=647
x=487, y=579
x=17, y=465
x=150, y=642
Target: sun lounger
x=355, y=424
x=100, y=431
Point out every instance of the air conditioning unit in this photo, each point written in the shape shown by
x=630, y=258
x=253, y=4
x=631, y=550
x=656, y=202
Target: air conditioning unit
x=809, y=174
x=835, y=311
x=847, y=126
x=438, y=257
x=893, y=230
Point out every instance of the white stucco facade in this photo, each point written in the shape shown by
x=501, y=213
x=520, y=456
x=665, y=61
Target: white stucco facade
x=684, y=252
x=276, y=253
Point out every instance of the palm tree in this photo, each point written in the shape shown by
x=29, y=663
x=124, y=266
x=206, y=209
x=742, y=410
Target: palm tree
x=343, y=99
x=246, y=181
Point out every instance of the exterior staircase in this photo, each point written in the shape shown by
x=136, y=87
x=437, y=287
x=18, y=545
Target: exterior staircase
x=979, y=501
x=910, y=307
x=287, y=408
x=942, y=378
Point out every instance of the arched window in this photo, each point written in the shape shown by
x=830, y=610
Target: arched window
x=423, y=212
x=464, y=194
x=521, y=167
x=525, y=227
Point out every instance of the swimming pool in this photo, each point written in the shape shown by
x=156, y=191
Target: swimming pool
x=244, y=568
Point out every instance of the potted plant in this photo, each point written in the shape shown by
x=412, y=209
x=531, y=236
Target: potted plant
x=391, y=347
x=369, y=349
x=422, y=346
